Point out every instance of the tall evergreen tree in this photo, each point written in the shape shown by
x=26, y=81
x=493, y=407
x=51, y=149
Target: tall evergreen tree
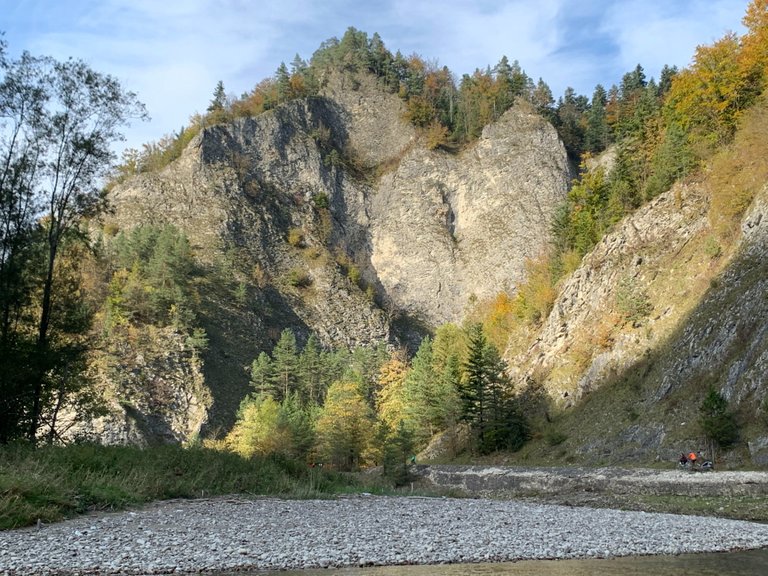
x=219, y=100
x=596, y=136
x=262, y=374
x=311, y=371
x=421, y=394
x=489, y=408
x=285, y=366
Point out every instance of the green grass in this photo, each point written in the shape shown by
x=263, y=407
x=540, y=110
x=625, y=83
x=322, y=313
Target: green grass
x=753, y=508
x=52, y=483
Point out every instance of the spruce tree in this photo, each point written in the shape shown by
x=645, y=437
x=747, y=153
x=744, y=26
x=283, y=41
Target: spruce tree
x=285, y=363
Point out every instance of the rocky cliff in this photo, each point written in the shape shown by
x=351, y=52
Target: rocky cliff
x=328, y=215
x=445, y=229
x=658, y=312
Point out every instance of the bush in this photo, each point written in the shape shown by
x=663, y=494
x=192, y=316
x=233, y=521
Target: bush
x=555, y=437
x=298, y=278
x=320, y=200
x=632, y=301
x=296, y=237
x=717, y=422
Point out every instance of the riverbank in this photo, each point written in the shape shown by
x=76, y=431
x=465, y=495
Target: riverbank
x=235, y=533
x=50, y=483
x=739, y=495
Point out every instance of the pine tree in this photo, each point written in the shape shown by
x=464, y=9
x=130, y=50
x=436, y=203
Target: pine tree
x=596, y=136
x=311, y=371
x=716, y=420
x=283, y=81
x=219, y=98
x=489, y=408
x=262, y=374
x=285, y=365
x=421, y=394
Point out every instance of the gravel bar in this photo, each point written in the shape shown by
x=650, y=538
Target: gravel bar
x=235, y=533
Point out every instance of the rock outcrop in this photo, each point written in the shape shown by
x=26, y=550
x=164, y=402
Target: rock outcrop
x=446, y=228
x=328, y=215
x=153, y=390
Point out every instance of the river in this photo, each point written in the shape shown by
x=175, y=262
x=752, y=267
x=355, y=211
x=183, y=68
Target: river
x=747, y=563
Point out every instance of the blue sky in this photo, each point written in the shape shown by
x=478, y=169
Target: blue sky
x=172, y=52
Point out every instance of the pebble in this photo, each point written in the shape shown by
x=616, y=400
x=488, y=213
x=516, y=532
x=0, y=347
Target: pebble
x=274, y=534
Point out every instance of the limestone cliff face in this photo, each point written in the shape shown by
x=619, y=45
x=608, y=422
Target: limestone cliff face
x=328, y=215
x=581, y=342
x=153, y=390
x=444, y=228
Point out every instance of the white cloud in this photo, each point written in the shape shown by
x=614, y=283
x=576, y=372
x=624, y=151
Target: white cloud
x=657, y=32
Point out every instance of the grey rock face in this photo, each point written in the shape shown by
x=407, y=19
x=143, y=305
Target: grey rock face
x=421, y=239
x=640, y=252
x=156, y=394
x=707, y=324
x=727, y=335
x=444, y=228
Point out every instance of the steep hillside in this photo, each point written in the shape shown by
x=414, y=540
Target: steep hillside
x=657, y=313
x=328, y=215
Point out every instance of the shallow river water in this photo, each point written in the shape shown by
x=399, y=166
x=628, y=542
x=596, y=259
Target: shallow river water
x=748, y=563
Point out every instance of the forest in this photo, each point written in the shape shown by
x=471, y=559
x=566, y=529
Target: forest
x=68, y=286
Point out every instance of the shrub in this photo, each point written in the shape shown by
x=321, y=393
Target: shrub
x=296, y=237
x=298, y=278
x=437, y=135
x=716, y=420
x=555, y=437
x=353, y=273
x=320, y=200
x=712, y=247
x=632, y=301
x=739, y=170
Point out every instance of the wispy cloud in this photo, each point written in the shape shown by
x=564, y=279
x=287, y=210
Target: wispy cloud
x=658, y=32
x=172, y=53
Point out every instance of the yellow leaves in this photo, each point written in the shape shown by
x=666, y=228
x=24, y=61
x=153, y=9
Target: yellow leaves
x=705, y=98
x=437, y=135
x=755, y=41
x=390, y=400
x=259, y=429
x=739, y=170
x=537, y=295
x=344, y=427
x=499, y=319
x=419, y=111
x=725, y=79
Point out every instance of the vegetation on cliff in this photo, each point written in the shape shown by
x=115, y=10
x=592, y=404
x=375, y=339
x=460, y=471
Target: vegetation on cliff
x=348, y=408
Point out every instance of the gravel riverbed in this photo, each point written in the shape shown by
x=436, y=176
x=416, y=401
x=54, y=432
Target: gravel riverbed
x=232, y=534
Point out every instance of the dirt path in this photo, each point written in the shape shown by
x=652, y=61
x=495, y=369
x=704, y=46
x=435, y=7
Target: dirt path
x=732, y=494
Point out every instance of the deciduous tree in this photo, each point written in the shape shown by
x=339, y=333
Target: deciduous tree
x=60, y=120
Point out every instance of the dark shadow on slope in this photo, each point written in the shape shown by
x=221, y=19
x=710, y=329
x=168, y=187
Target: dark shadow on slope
x=650, y=411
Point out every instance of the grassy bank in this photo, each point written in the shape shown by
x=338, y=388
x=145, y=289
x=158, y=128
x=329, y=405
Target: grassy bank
x=52, y=483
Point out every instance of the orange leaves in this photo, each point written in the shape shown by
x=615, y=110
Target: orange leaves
x=704, y=99
x=725, y=79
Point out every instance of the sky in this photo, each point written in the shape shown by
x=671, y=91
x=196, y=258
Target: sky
x=173, y=52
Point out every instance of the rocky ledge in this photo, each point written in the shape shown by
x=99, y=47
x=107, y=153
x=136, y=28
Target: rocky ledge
x=502, y=481
x=233, y=534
